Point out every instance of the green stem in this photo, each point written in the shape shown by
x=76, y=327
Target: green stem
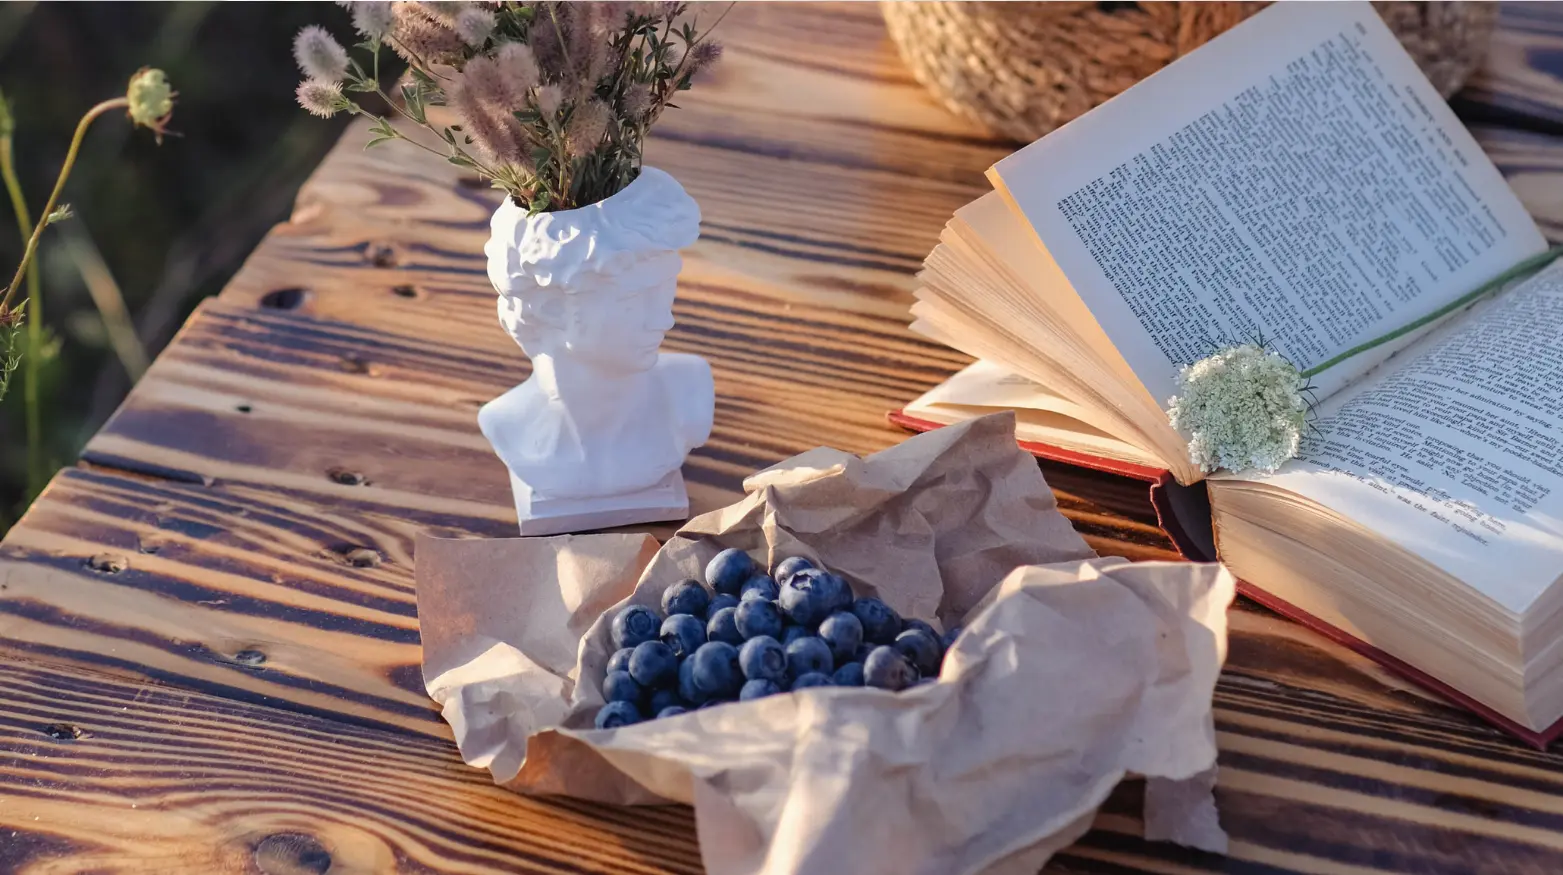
x=59, y=185
x=1529, y=265
x=34, y=315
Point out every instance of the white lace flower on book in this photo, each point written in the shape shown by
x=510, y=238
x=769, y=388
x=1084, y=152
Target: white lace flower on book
x=1240, y=408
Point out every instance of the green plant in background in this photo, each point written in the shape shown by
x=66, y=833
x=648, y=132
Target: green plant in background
x=554, y=100
x=149, y=102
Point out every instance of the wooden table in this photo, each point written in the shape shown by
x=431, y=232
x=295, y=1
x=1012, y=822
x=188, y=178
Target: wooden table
x=210, y=649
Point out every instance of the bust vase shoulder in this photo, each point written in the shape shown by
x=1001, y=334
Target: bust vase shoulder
x=596, y=437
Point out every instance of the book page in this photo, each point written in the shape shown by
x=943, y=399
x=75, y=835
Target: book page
x=1454, y=450
x=1297, y=180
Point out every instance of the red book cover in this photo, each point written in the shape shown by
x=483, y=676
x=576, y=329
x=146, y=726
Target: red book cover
x=1183, y=512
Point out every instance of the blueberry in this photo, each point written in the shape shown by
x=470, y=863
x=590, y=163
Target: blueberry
x=837, y=594
x=723, y=626
x=661, y=700
x=618, y=714
x=862, y=652
x=687, y=691
x=756, y=617
x=790, y=566
x=948, y=640
x=921, y=648
x=880, y=622
x=634, y=624
x=683, y=633
x=618, y=686
x=807, y=655
x=728, y=571
x=653, y=665
x=812, y=679
x=758, y=688
x=919, y=624
x=713, y=703
x=620, y=660
x=685, y=597
x=672, y=711
x=807, y=597
x=844, y=633
x=887, y=669
x=760, y=586
x=849, y=675
x=716, y=671
x=763, y=659
x=720, y=601
x=794, y=633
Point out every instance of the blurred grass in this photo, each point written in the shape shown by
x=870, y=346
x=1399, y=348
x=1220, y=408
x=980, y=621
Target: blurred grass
x=166, y=224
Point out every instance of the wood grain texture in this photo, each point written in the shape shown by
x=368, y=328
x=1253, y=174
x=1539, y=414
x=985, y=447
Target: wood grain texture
x=221, y=597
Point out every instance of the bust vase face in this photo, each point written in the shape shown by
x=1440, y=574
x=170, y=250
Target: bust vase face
x=615, y=328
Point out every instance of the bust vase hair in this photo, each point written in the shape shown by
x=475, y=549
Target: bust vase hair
x=597, y=435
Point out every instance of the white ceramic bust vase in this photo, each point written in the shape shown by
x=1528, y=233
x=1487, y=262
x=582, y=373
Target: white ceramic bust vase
x=596, y=437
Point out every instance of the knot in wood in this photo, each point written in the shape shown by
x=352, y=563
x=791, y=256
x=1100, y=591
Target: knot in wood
x=363, y=557
x=292, y=854
x=108, y=563
x=63, y=732
x=346, y=477
x=284, y=299
x=250, y=657
x=381, y=254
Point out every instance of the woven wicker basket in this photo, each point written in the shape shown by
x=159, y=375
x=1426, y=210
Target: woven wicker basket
x=1023, y=69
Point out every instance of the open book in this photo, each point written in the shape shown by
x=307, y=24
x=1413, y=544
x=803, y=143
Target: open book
x=1297, y=181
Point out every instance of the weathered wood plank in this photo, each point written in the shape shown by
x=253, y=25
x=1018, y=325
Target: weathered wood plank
x=102, y=774
x=116, y=774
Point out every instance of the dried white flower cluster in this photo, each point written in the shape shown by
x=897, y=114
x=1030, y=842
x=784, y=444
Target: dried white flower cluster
x=1241, y=408
x=554, y=99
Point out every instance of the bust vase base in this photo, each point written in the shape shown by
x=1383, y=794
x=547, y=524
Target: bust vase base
x=556, y=516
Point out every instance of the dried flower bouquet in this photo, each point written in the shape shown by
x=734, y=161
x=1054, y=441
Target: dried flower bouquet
x=553, y=100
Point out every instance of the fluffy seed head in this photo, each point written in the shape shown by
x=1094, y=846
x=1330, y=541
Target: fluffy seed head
x=419, y=39
x=318, y=55
x=518, y=66
x=474, y=24
x=548, y=98
x=319, y=97
x=587, y=125
x=372, y=19
x=637, y=102
x=496, y=140
x=482, y=78
x=1240, y=408
x=703, y=55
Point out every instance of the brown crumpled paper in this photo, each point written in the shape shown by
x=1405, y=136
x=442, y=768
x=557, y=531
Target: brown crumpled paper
x=1068, y=675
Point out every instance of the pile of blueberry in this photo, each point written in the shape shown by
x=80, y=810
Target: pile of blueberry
x=758, y=635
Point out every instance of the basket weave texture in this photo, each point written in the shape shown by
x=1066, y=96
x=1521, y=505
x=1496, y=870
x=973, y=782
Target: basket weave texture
x=1023, y=69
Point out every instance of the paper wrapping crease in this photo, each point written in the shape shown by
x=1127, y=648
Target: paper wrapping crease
x=1072, y=672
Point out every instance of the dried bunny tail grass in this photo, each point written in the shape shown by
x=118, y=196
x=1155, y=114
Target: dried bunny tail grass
x=489, y=85
x=419, y=40
x=547, y=46
x=702, y=56
x=636, y=103
x=319, y=55
x=371, y=19
x=497, y=141
x=474, y=25
x=518, y=66
x=548, y=99
x=444, y=14
x=587, y=125
x=321, y=98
